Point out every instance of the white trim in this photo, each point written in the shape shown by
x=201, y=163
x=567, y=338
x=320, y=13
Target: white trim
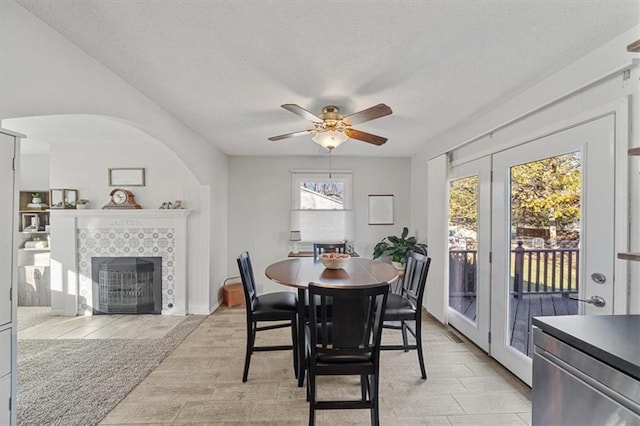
x=436, y=292
x=612, y=107
x=622, y=205
x=478, y=332
x=12, y=133
x=142, y=213
x=322, y=171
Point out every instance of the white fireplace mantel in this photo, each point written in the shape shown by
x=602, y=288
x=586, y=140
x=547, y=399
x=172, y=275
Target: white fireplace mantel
x=69, y=286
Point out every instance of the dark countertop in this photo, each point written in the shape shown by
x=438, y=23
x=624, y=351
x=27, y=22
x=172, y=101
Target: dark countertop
x=612, y=339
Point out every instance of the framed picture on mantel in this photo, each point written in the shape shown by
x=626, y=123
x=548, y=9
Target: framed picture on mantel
x=380, y=209
x=126, y=177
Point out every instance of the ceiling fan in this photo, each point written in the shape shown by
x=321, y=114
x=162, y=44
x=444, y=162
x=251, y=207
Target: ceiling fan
x=331, y=128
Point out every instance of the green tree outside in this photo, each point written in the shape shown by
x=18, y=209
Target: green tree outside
x=544, y=189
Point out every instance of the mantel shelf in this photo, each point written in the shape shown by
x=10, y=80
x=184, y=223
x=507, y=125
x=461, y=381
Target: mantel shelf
x=138, y=213
x=629, y=256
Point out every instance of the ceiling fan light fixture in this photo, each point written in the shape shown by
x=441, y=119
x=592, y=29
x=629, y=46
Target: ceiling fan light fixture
x=329, y=139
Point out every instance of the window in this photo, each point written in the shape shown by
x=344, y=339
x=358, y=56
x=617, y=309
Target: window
x=316, y=191
x=321, y=206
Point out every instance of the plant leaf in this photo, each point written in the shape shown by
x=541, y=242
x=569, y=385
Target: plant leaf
x=394, y=240
x=405, y=232
x=379, y=249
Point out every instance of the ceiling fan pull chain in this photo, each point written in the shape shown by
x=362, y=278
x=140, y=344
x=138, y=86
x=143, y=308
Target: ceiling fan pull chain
x=330, y=163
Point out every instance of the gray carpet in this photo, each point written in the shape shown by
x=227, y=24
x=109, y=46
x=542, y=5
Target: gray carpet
x=77, y=382
x=28, y=316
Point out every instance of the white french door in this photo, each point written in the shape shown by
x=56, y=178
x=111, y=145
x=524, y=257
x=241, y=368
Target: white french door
x=469, y=249
x=535, y=274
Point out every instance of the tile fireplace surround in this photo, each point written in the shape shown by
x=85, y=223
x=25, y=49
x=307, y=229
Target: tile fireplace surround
x=79, y=235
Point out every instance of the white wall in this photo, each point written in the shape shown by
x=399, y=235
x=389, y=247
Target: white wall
x=45, y=74
x=588, y=87
x=34, y=172
x=85, y=168
x=260, y=200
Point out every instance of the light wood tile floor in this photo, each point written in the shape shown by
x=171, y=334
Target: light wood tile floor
x=200, y=383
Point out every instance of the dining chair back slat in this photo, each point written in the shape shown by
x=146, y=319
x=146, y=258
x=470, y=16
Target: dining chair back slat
x=248, y=280
x=415, y=277
x=319, y=248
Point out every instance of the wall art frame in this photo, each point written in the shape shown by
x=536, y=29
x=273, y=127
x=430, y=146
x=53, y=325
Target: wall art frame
x=127, y=176
x=381, y=209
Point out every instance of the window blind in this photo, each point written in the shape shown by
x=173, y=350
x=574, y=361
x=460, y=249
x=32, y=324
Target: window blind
x=323, y=225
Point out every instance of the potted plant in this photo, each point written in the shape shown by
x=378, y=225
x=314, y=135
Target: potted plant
x=36, y=198
x=397, y=248
x=82, y=203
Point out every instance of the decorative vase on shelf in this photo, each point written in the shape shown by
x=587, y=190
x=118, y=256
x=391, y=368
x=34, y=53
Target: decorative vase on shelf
x=82, y=203
x=35, y=200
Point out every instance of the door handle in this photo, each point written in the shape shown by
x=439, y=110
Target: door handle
x=596, y=301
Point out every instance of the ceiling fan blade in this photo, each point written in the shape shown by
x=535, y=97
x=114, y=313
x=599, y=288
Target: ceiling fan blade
x=365, y=137
x=372, y=113
x=298, y=110
x=290, y=135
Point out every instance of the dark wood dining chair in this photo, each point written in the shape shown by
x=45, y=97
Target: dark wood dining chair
x=269, y=307
x=344, y=329
x=319, y=248
x=405, y=308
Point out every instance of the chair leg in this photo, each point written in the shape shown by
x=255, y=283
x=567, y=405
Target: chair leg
x=294, y=340
x=251, y=335
x=302, y=354
x=418, y=330
x=311, y=384
x=373, y=395
x=405, y=339
x=364, y=386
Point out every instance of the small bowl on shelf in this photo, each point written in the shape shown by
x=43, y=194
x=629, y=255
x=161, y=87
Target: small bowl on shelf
x=334, y=260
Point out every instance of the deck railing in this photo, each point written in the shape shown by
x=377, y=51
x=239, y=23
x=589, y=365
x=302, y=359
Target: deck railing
x=549, y=271
x=533, y=271
x=462, y=272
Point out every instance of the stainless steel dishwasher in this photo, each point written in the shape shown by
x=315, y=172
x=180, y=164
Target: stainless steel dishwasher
x=571, y=387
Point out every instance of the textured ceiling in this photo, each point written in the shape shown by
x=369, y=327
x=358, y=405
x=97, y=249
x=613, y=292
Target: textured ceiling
x=225, y=67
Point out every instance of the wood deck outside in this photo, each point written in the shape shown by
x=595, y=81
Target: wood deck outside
x=521, y=312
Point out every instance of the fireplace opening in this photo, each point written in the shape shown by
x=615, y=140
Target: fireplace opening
x=127, y=285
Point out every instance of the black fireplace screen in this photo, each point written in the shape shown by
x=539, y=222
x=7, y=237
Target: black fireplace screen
x=128, y=285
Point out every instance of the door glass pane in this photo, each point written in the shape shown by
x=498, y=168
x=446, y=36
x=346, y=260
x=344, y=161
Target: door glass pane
x=463, y=234
x=545, y=243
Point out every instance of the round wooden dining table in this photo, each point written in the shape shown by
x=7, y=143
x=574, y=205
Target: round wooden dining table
x=357, y=272
x=299, y=272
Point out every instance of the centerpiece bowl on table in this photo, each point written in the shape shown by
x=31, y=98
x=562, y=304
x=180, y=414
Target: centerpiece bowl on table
x=334, y=260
